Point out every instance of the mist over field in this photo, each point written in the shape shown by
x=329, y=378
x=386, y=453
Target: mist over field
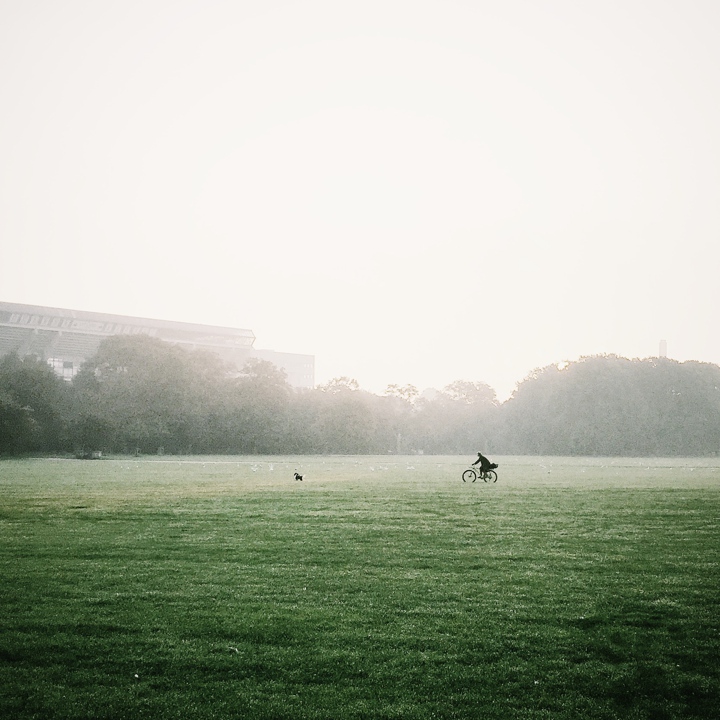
x=142, y=395
x=493, y=227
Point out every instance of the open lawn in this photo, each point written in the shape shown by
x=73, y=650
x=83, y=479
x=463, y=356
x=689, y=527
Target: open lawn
x=375, y=588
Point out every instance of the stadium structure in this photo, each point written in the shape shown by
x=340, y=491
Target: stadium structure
x=65, y=339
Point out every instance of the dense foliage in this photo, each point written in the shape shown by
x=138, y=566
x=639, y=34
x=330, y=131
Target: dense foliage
x=614, y=406
x=139, y=394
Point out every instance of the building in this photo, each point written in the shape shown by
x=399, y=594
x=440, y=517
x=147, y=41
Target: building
x=66, y=338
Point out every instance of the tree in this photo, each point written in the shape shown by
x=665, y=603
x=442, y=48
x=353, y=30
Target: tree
x=342, y=384
x=407, y=393
x=259, y=405
x=18, y=429
x=138, y=391
x=471, y=393
x=608, y=405
x=34, y=405
x=347, y=423
x=396, y=411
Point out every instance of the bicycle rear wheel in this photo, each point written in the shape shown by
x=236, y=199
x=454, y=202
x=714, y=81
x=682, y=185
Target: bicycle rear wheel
x=490, y=476
x=469, y=475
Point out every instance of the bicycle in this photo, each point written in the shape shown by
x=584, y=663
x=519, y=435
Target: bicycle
x=472, y=474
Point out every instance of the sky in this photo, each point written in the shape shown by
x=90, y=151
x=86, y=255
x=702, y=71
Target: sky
x=414, y=192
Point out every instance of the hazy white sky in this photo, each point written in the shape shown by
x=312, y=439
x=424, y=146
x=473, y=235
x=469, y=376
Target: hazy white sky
x=412, y=191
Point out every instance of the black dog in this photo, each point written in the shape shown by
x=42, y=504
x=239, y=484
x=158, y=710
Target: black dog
x=298, y=477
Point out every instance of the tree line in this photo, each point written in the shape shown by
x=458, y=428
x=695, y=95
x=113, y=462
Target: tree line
x=140, y=394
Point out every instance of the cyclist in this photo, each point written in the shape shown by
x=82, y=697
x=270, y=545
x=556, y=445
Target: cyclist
x=485, y=464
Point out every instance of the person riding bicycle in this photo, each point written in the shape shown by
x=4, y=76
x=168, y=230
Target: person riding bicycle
x=485, y=464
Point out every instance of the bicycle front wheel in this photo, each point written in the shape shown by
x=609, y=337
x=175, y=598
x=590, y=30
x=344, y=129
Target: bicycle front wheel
x=469, y=476
x=490, y=476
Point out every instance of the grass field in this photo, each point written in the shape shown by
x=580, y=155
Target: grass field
x=376, y=588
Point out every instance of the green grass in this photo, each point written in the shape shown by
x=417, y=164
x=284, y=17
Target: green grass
x=376, y=588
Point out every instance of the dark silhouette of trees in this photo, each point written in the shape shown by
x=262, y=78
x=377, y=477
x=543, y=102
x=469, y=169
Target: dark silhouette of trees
x=607, y=405
x=345, y=423
x=397, y=412
x=459, y=420
x=33, y=401
x=258, y=403
x=138, y=392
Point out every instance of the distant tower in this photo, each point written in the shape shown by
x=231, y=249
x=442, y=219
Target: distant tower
x=663, y=349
